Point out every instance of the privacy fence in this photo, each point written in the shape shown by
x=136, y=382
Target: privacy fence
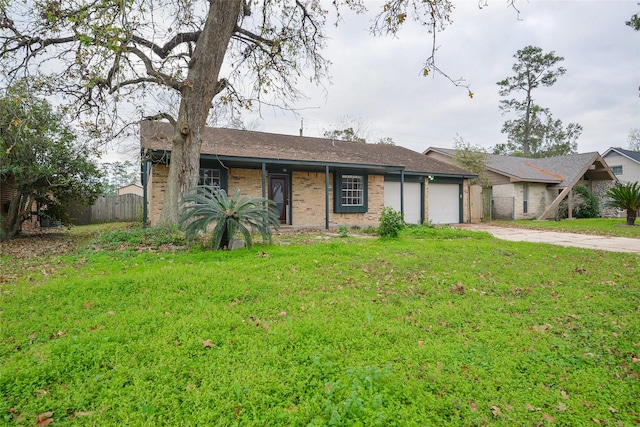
x=124, y=208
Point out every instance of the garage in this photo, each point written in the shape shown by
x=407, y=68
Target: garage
x=444, y=203
x=412, y=199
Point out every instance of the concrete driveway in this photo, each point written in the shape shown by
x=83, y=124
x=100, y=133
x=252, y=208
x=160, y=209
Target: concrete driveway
x=603, y=243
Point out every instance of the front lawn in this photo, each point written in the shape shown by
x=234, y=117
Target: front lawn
x=440, y=327
x=597, y=226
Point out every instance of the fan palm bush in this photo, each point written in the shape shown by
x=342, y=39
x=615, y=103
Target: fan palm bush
x=625, y=197
x=231, y=215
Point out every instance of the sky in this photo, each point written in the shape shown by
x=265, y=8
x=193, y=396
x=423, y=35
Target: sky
x=377, y=81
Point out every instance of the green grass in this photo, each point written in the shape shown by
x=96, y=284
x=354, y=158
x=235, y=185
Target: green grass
x=439, y=327
x=598, y=226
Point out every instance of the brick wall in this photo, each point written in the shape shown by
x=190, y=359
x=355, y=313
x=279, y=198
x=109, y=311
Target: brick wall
x=466, y=202
x=309, y=201
x=249, y=181
x=155, y=191
x=307, y=196
x=537, y=200
x=7, y=192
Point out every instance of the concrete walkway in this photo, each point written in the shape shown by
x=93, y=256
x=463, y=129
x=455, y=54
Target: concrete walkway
x=603, y=243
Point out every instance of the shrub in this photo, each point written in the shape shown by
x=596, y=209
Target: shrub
x=584, y=204
x=210, y=205
x=589, y=206
x=391, y=222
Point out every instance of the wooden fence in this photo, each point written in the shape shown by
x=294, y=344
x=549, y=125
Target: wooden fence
x=124, y=208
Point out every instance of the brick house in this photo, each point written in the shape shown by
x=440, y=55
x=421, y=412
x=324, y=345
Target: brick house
x=315, y=182
x=7, y=192
x=527, y=188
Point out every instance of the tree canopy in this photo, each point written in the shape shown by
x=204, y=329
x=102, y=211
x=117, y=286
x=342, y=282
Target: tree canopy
x=238, y=53
x=118, y=174
x=634, y=22
x=41, y=166
x=473, y=158
x=347, y=134
x=534, y=132
x=634, y=139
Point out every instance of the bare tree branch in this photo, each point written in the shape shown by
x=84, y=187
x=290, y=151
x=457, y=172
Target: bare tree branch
x=164, y=51
x=132, y=82
x=161, y=78
x=161, y=116
x=248, y=35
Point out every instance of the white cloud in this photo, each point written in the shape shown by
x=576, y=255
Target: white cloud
x=379, y=79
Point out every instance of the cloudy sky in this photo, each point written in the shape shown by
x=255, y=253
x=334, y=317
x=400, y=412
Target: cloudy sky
x=378, y=82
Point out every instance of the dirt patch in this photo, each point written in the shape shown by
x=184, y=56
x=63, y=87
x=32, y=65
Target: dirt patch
x=39, y=243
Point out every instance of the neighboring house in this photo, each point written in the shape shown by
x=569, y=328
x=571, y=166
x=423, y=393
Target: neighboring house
x=130, y=189
x=315, y=182
x=526, y=188
x=7, y=192
x=625, y=164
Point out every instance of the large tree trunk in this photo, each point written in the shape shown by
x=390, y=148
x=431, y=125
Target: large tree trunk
x=12, y=223
x=197, y=93
x=526, y=143
x=631, y=216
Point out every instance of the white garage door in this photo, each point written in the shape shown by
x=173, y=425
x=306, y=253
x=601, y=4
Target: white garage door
x=412, y=199
x=444, y=203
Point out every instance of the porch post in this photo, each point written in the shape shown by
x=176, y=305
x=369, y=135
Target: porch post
x=326, y=197
x=264, y=180
x=402, y=191
x=145, y=199
x=570, y=205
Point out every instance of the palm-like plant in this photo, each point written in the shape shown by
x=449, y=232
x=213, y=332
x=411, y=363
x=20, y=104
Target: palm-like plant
x=209, y=205
x=625, y=197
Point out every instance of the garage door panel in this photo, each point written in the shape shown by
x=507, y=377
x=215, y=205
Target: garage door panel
x=444, y=203
x=412, y=199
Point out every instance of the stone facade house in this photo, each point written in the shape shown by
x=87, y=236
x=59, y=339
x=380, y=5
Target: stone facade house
x=526, y=188
x=625, y=164
x=315, y=182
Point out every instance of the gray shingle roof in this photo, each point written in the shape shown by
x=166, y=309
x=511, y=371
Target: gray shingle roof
x=242, y=144
x=560, y=170
x=634, y=155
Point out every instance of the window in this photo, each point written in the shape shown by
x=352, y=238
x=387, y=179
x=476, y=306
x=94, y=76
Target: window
x=350, y=193
x=617, y=170
x=525, y=198
x=210, y=177
x=352, y=190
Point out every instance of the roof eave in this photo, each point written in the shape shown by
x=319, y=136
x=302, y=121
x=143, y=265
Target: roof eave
x=166, y=155
x=538, y=181
x=620, y=153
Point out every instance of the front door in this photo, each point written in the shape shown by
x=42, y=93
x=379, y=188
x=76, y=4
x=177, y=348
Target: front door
x=279, y=193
